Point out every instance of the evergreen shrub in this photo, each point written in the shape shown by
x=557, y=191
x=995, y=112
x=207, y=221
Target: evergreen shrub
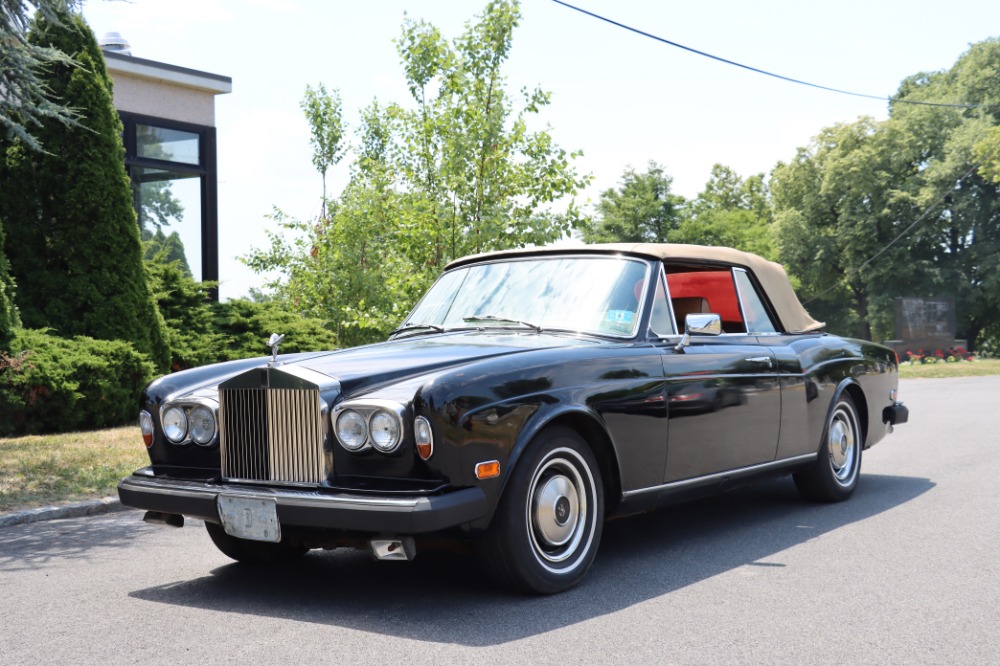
x=54, y=384
x=201, y=330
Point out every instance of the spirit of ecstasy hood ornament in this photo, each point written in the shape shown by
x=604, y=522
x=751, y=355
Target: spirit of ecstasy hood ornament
x=273, y=343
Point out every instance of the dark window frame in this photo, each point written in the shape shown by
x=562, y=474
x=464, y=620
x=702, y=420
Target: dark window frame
x=206, y=170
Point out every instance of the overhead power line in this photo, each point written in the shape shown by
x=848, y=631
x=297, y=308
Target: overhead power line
x=762, y=71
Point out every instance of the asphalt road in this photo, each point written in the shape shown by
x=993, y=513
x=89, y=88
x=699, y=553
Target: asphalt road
x=906, y=572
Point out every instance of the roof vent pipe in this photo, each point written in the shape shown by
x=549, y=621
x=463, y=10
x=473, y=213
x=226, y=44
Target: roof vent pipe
x=113, y=42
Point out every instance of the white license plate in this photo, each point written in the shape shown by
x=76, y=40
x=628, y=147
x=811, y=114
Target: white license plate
x=249, y=518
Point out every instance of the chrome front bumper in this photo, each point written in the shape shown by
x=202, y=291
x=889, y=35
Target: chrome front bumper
x=323, y=509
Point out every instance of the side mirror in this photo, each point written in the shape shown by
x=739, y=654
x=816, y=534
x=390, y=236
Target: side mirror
x=699, y=324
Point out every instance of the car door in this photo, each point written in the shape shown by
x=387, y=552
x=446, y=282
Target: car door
x=722, y=392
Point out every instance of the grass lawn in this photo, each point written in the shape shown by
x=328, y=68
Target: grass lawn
x=975, y=368
x=42, y=470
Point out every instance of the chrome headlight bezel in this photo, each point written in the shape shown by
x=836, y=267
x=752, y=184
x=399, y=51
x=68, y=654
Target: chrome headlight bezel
x=368, y=410
x=186, y=407
x=173, y=419
x=194, y=432
x=357, y=421
x=385, y=430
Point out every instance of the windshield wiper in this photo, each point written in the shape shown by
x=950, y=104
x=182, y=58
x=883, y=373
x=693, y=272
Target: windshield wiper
x=502, y=320
x=414, y=328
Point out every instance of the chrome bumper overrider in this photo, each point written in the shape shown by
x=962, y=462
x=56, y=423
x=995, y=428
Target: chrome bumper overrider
x=407, y=514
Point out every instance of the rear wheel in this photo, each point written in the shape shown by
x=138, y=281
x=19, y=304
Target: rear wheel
x=835, y=474
x=253, y=552
x=548, y=524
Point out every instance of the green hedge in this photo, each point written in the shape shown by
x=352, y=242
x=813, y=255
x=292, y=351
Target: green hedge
x=52, y=384
x=201, y=330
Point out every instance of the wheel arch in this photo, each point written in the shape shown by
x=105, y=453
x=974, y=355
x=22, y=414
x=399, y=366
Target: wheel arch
x=599, y=441
x=589, y=426
x=857, y=394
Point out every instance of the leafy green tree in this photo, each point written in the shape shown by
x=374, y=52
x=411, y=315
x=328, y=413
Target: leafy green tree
x=641, y=210
x=873, y=211
x=477, y=179
x=25, y=97
x=988, y=155
x=72, y=237
x=455, y=172
x=732, y=212
x=960, y=230
x=842, y=199
x=324, y=112
x=339, y=271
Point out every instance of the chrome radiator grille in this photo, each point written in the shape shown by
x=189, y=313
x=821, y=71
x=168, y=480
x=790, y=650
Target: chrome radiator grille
x=272, y=434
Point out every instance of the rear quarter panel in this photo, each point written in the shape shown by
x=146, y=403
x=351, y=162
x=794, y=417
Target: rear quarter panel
x=814, y=370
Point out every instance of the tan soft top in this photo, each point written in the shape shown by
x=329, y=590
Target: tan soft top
x=772, y=277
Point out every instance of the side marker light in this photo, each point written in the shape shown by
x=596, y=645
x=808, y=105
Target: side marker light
x=488, y=470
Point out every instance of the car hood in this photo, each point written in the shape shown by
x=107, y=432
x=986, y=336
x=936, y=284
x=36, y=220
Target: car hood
x=358, y=368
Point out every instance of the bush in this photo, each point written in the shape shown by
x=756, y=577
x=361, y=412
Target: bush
x=201, y=330
x=52, y=384
x=988, y=344
x=246, y=326
x=188, y=315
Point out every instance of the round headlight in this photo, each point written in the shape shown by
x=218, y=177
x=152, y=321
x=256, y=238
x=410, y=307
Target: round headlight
x=175, y=424
x=385, y=431
x=352, y=431
x=202, y=424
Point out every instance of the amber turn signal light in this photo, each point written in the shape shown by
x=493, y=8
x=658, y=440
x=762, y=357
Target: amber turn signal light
x=146, y=428
x=488, y=470
x=424, y=436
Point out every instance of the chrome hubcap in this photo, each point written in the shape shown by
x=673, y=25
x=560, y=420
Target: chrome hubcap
x=557, y=510
x=841, y=444
x=559, y=518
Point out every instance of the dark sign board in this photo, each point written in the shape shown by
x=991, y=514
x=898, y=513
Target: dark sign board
x=925, y=318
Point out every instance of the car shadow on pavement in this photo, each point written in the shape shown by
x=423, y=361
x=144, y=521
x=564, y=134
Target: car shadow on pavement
x=443, y=597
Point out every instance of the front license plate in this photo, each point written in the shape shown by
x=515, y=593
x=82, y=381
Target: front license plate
x=249, y=518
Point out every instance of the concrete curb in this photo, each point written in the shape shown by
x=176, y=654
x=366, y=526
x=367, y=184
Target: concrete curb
x=91, y=508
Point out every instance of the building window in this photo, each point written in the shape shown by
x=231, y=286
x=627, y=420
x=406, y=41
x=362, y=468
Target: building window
x=173, y=172
x=162, y=143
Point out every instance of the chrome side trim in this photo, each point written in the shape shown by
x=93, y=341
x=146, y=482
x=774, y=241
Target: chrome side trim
x=739, y=472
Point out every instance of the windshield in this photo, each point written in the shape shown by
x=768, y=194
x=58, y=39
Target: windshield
x=588, y=294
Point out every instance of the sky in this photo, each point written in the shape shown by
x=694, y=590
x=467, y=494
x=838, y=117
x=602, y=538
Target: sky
x=621, y=98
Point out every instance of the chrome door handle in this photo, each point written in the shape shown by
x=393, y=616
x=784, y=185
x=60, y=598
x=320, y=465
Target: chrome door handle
x=760, y=359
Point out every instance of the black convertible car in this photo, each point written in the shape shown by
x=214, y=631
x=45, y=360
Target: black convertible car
x=529, y=396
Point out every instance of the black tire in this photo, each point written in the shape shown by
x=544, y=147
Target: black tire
x=547, y=527
x=253, y=552
x=835, y=474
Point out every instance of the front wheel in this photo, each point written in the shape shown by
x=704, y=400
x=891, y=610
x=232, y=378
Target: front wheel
x=547, y=527
x=253, y=552
x=835, y=474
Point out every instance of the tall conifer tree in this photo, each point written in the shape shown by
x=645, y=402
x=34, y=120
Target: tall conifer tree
x=72, y=238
